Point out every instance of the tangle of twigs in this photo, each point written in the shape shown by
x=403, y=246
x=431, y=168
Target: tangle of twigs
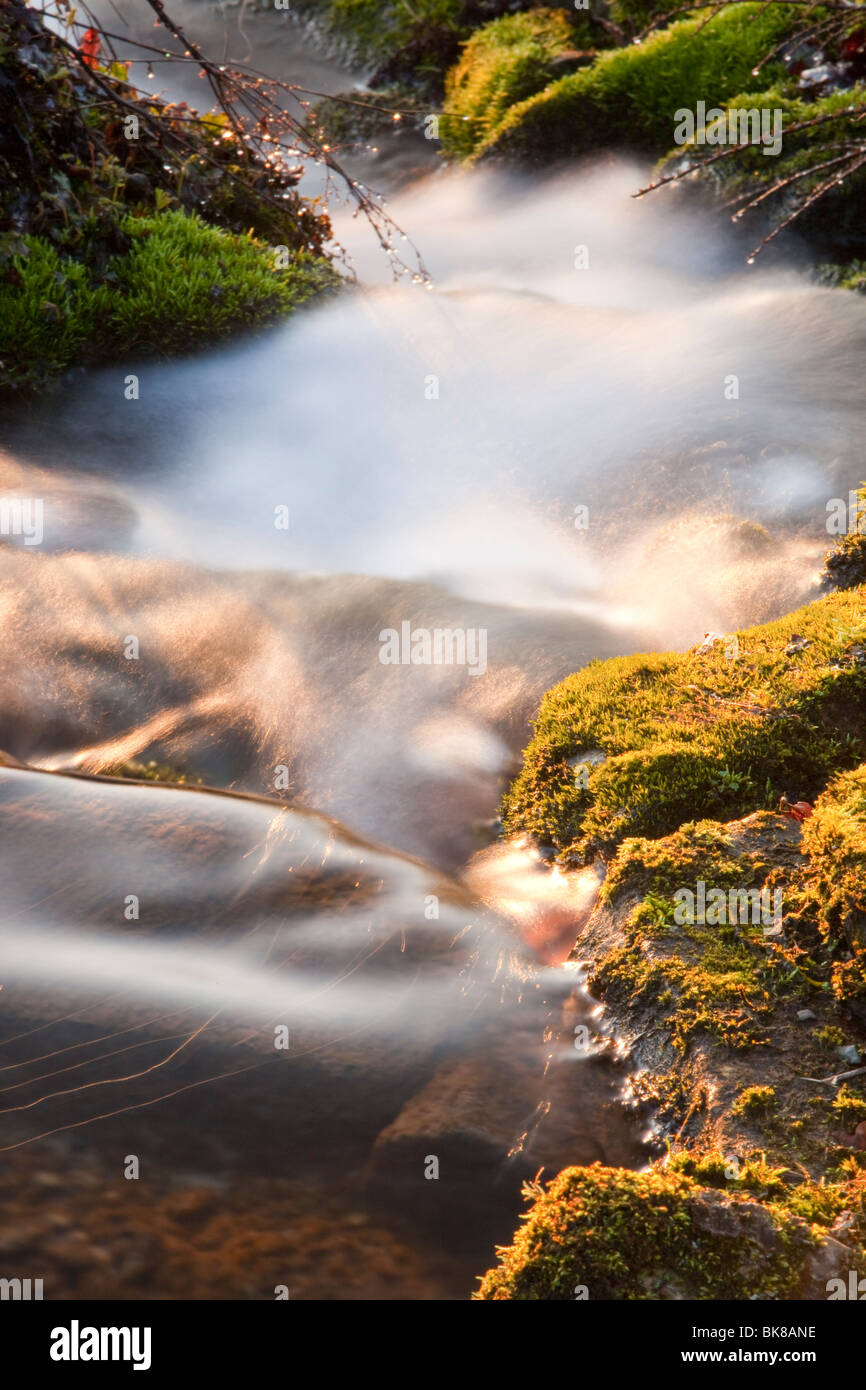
x=265, y=132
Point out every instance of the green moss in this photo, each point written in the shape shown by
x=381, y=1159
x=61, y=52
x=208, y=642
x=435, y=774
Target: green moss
x=375, y=28
x=835, y=840
x=829, y=1037
x=181, y=283
x=693, y=974
x=849, y=1107
x=634, y=15
x=49, y=311
x=844, y=277
x=629, y=96
x=719, y=982
x=502, y=64
x=754, y=1176
x=675, y=727
x=622, y=1235
x=754, y=1100
x=184, y=282
x=657, y=868
x=826, y=126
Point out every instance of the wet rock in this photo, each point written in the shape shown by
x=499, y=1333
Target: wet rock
x=719, y=1215
x=138, y=188
x=831, y=1260
x=466, y=1117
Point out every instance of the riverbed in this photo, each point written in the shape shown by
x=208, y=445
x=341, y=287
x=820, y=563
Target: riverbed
x=311, y=991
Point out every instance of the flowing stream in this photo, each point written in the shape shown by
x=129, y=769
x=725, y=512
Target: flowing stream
x=289, y=986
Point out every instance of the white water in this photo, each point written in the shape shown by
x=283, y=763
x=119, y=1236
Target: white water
x=558, y=388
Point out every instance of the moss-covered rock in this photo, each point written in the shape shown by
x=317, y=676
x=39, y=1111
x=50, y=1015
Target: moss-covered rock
x=762, y=1193
x=705, y=734
x=633, y=16
x=707, y=972
x=181, y=284
x=503, y=64
x=716, y=958
x=603, y=1233
x=844, y=277
x=377, y=29
x=628, y=97
x=834, y=839
x=818, y=141
x=741, y=1007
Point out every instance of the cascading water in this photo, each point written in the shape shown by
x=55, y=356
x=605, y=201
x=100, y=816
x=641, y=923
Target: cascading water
x=532, y=450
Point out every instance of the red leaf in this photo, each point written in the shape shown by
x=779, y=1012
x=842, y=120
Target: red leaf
x=854, y=43
x=90, y=47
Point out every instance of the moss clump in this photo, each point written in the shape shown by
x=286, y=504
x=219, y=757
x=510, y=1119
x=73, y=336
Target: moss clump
x=50, y=311
x=501, y=65
x=689, y=736
x=721, y=996
x=849, y=1107
x=378, y=28
x=835, y=840
x=180, y=284
x=829, y=1037
x=622, y=1235
x=657, y=868
x=754, y=1176
x=629, y=96
x=183, y=282
x=633, y=16
x=754, y=1100
x=844, y=277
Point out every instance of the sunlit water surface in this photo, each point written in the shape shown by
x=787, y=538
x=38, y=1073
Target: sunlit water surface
x=287, y=994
